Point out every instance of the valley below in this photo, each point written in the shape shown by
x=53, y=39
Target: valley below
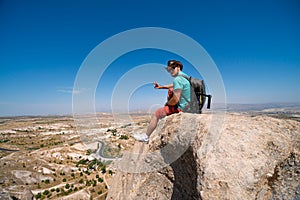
x=46, y=157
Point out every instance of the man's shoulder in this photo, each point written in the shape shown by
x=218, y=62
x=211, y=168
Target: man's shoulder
x=180, y=82
x=182, y=77
x=182, y=74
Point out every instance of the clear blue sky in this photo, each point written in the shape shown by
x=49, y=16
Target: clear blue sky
x=255, y=44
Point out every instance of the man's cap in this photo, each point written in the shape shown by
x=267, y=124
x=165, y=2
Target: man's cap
x=175, y=63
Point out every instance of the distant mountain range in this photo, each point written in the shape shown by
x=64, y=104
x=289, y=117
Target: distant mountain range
x=266, y=107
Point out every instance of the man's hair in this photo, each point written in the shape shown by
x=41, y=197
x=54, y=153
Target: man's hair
x=175, y=63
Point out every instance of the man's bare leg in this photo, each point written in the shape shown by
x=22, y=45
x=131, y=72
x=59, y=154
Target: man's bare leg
x=152, y=125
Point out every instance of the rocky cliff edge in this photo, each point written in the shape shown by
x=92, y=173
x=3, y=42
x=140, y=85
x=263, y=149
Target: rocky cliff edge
x=233, y=156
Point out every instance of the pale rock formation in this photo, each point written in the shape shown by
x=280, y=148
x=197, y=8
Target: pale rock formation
x=232, y=156
x=16, y=192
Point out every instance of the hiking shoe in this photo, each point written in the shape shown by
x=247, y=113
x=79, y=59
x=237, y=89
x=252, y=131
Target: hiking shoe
x=141, y=137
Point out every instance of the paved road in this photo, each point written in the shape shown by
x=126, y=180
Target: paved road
x=3, y=149
x=99, y=153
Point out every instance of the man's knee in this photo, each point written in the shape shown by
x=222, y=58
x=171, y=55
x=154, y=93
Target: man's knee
x=160, y=113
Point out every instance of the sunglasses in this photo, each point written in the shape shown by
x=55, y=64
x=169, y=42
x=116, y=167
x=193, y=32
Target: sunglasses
x=171, y=68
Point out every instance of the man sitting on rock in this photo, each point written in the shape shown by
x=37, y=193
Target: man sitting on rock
x=178, y=97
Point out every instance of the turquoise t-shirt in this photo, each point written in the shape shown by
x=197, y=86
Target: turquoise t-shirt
x=182, y=84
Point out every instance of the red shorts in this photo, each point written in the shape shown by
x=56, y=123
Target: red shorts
x=165, y=111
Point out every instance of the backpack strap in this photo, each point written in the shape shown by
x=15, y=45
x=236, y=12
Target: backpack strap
x=185, y=98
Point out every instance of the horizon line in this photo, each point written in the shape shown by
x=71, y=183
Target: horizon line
x=144, y=110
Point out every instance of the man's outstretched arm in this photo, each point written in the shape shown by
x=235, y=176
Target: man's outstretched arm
x=157, y=86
